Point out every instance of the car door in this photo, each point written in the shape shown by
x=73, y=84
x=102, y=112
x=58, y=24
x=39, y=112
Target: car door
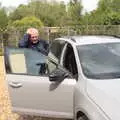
x=30, y=90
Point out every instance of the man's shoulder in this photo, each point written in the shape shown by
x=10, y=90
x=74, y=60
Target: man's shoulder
x=43, y=41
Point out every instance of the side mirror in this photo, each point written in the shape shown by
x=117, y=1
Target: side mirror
x=58, y=75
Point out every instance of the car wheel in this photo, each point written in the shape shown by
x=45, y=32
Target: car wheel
x=83, y=117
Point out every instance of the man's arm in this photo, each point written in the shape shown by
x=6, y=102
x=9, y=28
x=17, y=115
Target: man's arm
x=23, y=43
x=43, y=47
x=46, y=46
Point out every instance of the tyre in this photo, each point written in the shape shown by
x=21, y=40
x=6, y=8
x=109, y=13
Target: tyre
x=83, y=117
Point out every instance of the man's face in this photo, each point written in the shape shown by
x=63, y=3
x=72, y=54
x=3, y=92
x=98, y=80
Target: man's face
x=34, y=38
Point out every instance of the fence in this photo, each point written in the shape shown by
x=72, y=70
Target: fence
x=11, y=36
x=86, y=30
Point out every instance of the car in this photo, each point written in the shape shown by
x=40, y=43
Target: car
x=79, y=79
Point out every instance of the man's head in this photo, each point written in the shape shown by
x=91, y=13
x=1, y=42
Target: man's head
x=33, y=35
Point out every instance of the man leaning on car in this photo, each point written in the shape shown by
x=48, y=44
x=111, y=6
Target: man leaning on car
x=31, y=40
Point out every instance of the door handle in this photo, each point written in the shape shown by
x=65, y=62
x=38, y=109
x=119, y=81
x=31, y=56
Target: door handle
x=15, y=84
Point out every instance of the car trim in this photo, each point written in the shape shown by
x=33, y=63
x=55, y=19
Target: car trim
x=42, y=113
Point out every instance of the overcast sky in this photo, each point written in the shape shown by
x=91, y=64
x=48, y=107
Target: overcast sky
x=87, y=4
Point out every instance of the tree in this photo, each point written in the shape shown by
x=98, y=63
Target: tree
x=115, y=6
x=74, y=12
x=27, y=22
x=113, y=18
x=3, y=19
x=50, y=13
x=20, y=12
x=107, y=13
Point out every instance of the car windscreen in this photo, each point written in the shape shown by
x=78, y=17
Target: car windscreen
x=24, y=61
x=100, y=61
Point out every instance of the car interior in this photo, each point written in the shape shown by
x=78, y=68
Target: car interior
x=69, y=61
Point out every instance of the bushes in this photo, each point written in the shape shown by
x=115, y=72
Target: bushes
x=27, y=22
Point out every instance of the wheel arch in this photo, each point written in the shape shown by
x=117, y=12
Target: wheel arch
x=80, y=113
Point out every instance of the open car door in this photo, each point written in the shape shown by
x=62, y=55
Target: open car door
x=30, y=90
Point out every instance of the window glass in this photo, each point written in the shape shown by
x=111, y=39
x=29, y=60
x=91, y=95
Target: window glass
x=55, y=54
x=56, y=49
x=100, y=61
x=25, y=61
x=51, y=66
x=69, y=61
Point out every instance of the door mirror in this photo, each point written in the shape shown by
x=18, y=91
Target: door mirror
x=58, y=75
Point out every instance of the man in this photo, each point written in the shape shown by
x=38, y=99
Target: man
x=31, y=40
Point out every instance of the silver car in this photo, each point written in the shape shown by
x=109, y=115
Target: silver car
x=79, y=79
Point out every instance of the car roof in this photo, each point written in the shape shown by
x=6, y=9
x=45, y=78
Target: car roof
x=91, y=39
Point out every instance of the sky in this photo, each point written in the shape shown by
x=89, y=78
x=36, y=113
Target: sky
x=88, y=5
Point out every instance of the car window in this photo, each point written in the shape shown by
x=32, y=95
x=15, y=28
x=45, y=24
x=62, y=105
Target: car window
x=51, y=66
x=54, y=55
x=25, y=61
x=100, y=61
x=56, y=49
x=69, y=61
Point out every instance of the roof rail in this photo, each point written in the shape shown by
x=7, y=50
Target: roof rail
x=73, y=39
x=70, y=38
x=117, y=36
